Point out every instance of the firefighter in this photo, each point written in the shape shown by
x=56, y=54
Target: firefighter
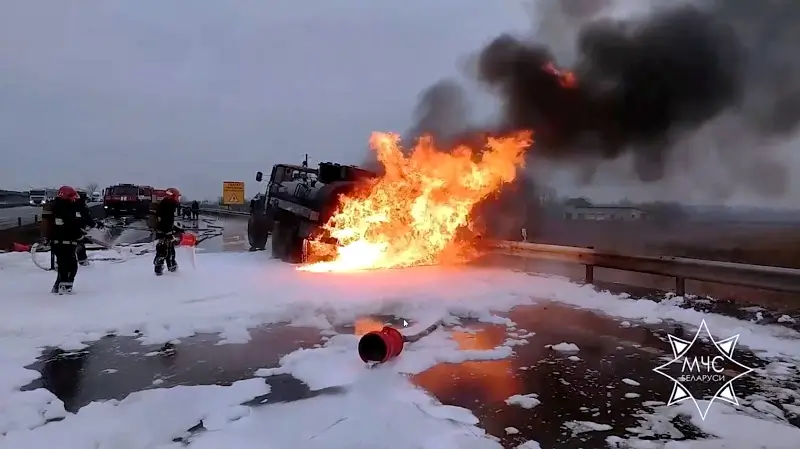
x=162, y=221
x=62, y=222
x=87, y=223
x=195, y=210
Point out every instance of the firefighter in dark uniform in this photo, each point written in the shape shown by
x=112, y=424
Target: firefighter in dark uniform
x=62, y=223
x=88, y=223
x=162, y=221
x=195, y=210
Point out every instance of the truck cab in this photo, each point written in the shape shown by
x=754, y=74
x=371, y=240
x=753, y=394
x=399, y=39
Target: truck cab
x=158, y=195
x=297, y=202
x=259, y=225
x=127, y=200
x=37, y=197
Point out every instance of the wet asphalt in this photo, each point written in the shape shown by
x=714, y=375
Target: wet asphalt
x=582, y=386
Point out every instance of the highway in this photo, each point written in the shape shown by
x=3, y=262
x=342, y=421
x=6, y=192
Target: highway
x=10, y=218
x=593, y=383
x=607, y=377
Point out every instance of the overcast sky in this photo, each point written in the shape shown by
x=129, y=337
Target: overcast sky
x=190, y=93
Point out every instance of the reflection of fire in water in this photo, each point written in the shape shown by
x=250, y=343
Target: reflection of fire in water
x=493, y=378
x=414, y=213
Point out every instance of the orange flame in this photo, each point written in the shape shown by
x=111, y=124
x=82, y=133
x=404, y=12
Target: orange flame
x=565, y=78
x=413, y=214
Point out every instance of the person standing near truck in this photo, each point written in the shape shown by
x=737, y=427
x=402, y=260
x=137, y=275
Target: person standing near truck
x=195, y=210
x=87, y=223
x=62, y=221
x=162, y=221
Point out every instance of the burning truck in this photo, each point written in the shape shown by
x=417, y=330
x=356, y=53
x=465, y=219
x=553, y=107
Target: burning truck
x=344, y=218
x=298, y=201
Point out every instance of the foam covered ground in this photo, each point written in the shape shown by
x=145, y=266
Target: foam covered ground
x=230, y=293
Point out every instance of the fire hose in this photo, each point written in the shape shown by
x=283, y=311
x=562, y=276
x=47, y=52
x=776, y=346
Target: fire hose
x=387, y=343
x=40, y=246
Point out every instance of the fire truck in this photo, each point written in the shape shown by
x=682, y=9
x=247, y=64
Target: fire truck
x=127, y=200
x=158, y=195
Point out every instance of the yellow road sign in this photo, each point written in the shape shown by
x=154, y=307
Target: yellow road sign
x=233, y=192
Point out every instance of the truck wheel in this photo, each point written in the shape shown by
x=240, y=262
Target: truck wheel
x=286, y=244
x=279, y=240
x=257, y=232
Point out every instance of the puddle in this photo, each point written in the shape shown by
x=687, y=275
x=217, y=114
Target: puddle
x=586, y=388
x=232, y=235
x=113, y=367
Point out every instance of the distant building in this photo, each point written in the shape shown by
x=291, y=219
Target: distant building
x=618, y=213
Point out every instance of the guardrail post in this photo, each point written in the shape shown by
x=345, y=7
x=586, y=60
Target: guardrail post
x=19, y=221
x=589, y=276
x=680, y=286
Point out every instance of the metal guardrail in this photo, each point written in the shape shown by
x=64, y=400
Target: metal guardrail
x=10, y=205
x=220, y=211
x=23, y=220
x=31, y=215
x=681, y=268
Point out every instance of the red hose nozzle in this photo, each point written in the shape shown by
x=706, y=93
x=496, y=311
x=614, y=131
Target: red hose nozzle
x=380, y=346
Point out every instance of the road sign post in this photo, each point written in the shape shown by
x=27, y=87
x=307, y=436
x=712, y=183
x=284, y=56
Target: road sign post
x=233, y=192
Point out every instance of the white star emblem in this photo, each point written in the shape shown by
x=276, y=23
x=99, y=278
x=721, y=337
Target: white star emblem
x=680, y=348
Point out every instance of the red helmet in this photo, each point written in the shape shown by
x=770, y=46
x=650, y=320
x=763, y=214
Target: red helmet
x=173, y=194
x=68, y=193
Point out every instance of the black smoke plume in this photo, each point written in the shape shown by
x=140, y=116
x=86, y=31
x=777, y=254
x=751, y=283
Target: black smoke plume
x=722, y=75
x=645, y=86
x=637, y=86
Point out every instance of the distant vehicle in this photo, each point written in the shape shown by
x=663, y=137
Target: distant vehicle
x=84, y=196
x=97, y=197
x=127, y=200
x=37, y=197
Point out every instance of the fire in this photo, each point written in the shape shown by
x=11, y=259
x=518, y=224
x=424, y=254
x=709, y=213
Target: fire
x=412, y=215
x=565, y=78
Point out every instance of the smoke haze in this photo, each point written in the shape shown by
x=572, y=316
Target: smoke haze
x=696, y=101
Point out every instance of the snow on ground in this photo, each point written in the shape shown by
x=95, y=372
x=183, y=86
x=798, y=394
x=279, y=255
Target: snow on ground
x=731, y=429
x=230, y=292
x=564, y=347
x=527, y=401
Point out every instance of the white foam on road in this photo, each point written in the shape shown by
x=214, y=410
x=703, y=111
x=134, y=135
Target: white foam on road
x=230, y=293
x=731, y=428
